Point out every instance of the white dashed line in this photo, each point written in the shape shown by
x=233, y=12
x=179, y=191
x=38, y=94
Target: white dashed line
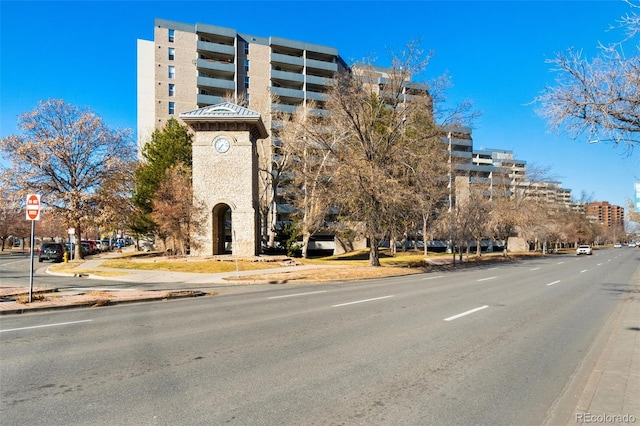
x=555, y=282
x=466, y=313
x=433, y=278
x=297, y=294
x=44, y=325
x=487, y=279
x=361, y=301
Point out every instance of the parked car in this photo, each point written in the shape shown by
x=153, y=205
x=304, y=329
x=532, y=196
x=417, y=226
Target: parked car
x=106, y=244
x=617, y=245
x=90, y=246
x=583, y=249
x=51, y=251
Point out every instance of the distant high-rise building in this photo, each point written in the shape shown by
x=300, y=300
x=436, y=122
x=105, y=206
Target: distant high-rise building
x=604, y=213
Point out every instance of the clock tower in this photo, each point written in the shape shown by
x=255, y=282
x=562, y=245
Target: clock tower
x=225, y=178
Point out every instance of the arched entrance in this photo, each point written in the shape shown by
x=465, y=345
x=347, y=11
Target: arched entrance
x=222, y=227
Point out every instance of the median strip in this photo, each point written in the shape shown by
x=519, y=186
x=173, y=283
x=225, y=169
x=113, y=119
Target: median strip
x=466, y=313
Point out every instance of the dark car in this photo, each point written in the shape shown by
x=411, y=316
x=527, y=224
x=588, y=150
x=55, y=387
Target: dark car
x=51, y=251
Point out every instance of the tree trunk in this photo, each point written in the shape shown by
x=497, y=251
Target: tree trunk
x=78, y=248
x=306, y=236
x=424, y=235
x=374, y=254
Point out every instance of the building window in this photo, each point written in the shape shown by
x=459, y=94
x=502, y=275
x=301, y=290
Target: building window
x=172, y=71
x=246, y=65
x=172, y=53
x=246, y=48
x=172, y=35
x=172, y=108
x=246, y=82
x=172, y=89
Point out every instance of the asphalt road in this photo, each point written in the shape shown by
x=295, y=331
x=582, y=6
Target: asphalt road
x=494, y=346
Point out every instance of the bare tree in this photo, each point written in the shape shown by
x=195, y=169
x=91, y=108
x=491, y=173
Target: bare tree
x=174, y=210
x=65, y=154
x=371, y=109
x=310, y=146
x=599, y=98
x=515, y=206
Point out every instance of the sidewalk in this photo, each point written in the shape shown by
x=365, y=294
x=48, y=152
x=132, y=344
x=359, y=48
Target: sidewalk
x=609, y=392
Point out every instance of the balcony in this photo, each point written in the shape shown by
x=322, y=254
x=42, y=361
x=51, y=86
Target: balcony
x=228, y=68
x=287, y=59
x=287, y=93
x=206, y=100
x=216, y=83
x=319, y=81
x=287, y=76
x=290, y=109
x=224, y=49
x=321, y=65
x=317, y=96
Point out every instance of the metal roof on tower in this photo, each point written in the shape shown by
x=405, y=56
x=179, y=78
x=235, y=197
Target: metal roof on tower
x=226, y=112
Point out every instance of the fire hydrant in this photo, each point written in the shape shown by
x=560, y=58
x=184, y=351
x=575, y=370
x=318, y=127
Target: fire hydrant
x=65, y=257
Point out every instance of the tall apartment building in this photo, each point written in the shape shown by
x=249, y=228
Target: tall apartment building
x=604, y=213
x=189, y=66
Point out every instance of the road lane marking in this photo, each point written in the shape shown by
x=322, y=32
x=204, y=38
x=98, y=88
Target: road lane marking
x=560, y=263
x=488, y=278
x=297, y=294
x=44, y=325
x=534, y=269
x=555, y=282
x=361, y=301
x=433, y=278
x=466, y=313
x=583, y=271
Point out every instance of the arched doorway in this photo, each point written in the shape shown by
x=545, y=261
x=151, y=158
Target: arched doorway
x=222, y=226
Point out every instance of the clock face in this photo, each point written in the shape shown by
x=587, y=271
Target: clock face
x=222, y=144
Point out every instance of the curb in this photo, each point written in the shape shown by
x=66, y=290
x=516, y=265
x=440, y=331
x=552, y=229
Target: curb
x=98, y=303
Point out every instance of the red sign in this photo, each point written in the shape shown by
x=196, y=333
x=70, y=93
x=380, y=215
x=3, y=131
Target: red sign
x=33, y=207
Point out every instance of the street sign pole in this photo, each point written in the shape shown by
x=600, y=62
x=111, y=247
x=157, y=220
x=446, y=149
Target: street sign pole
x=33, y=229
x=33, y=214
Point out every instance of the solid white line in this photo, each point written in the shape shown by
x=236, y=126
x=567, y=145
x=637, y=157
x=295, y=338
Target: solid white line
x=361, y=301
x=583, y=271
x=297, y=294
x=433, y=278
x=466, y=313
x=486, y=279
x=555, y=282
x=45, y=325
x=534, y=269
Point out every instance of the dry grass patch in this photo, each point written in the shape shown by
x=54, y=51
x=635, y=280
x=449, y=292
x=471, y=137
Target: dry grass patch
x=208, y=266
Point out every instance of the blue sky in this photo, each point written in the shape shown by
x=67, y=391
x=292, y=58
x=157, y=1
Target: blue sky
x=494, y=53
